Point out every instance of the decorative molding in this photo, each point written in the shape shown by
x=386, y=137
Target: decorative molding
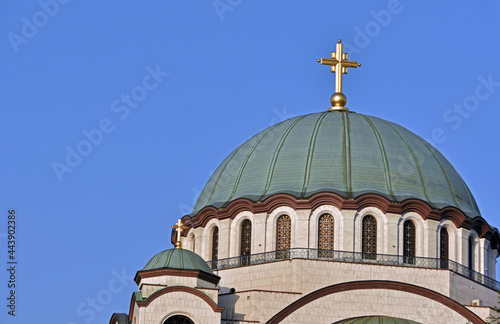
x=328, y=198
x=376, y=284
x=188, y=290
x=213, y=279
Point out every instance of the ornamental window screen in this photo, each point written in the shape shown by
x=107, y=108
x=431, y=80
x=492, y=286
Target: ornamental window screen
x=325, y=235
x=409, y=242
x=215, y=244
x=178, y=319
x=246, y=237
x=283, y=236
x=369, y=241
x=246, y=241
x=444, y=248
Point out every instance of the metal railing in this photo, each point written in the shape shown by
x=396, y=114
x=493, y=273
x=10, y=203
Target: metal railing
x=355, y=257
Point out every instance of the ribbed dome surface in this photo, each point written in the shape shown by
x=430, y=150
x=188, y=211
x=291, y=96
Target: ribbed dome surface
x=345, y=153
x=376, y=320
x=177, y=259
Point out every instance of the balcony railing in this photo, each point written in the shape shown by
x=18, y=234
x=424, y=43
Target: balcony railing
x=355, y=257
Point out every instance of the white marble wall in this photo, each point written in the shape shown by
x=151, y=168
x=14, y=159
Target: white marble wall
x=262, y=290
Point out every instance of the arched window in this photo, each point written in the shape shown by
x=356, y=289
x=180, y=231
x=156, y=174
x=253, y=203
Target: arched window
x=409, y=242
x=283, y=236
x=471, y=252
x=369, y=240
x=246, y=237
x=246, y=241
x=325, y=235
x=444, y=243
x=215, y=243
x=191, y=241
x=178, y=319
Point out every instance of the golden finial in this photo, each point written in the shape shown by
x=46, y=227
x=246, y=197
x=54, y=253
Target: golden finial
x=339, y=65
x=178, y=228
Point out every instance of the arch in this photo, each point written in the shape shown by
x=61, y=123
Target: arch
x=452, y=239
x=235, y=234
x=338, y=241
x=207, y=239
x=381, y=234
x=473, y=259
x=409, y=241
x=190, y=241
x=184, y=289
x=178, y=319
x=376, y=284
x=272, y=222
x=421, y=228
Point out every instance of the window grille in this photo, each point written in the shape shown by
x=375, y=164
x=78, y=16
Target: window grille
x=409, y=237
x=369, y=238
x=325, y=235
x=283, y=236
x=178, y=319
x=215, y=244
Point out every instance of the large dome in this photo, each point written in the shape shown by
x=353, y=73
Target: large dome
x=342, y=152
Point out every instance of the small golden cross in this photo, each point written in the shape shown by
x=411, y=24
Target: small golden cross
x=339, y=65
x=178, y=228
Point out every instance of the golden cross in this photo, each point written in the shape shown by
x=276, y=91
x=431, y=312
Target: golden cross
x=178, y=228
x=339, y=64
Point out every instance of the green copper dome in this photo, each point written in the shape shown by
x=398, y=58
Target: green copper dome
x=177, y=259
x=345, y=153
x=376, y=320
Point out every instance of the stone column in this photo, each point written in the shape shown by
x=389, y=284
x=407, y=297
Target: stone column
x=393, y=241
x=224, y=238
x=302, y=229
x=349, y=232
x=259, y=233
x=431, y=235
x=462, y=247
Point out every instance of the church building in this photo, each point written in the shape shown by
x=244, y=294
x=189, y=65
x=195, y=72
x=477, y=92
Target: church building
x=330, y=217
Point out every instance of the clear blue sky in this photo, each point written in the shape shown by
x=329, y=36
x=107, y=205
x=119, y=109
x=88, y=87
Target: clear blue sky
x=202, y=77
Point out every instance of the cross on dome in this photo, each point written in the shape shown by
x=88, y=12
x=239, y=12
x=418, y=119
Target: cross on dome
x=178, y=228
x=339, y=64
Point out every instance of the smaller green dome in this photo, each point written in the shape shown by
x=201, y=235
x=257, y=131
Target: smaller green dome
x=177, y=259
x=376, y=320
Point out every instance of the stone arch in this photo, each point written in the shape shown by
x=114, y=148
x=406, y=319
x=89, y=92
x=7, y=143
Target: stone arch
x=473, y=241
x=272, y=226
x=376, y=285
x=420, y=228
x=182, y=313
x=381, y=228
x=190, y=241
x=235, y=233
x=339, y=226
x=452, y=235
x=206, y=249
